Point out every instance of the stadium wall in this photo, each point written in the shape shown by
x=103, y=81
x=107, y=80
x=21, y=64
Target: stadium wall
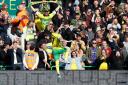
x=68, y=78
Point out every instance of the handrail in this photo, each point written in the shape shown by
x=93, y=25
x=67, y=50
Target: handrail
x=88, y=66
x=4, y=67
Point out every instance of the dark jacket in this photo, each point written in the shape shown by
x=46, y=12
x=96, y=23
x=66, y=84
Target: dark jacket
x=67, y=34
x=19, y=55
x=5, y=60
x=3, y=56
x=41, y=58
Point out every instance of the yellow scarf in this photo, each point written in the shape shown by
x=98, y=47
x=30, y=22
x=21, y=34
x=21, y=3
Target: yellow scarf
x=73, y=65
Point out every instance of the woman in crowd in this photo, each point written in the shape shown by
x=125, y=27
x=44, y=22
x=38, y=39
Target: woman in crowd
x=102, y=63
x=75, y=62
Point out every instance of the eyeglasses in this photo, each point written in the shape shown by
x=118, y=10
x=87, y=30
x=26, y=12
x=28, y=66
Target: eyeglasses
x=50, y=24
x=94, y=43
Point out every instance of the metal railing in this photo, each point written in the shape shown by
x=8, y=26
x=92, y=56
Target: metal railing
x=53, y=66
x=2, y=68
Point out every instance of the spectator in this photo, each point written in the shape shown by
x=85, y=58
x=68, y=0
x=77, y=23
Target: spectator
x=126, y=8
x=84, y=6
x=4, y=58
x=82, y=27
x=124, y=52
x=110, y=8
x=75, y=62
x=99, y=36
x=28, y=44
x=22, y=18
x=84, y=37
x=16, y=55
x=78, y=44
x=4, y=16
x=117, y=61
x=89, y=15
x=96, y=19
x=28, y=34
x=43, y=56
x=77, y=21
x=95, y=4
x=90, y=34
x=122, y=33
x=113, y=38
x=58, y=18
x=106, y=48
x=66, y=54
x=102, y=64
x=47, y=32
x=67, y=15
x=31, y=59
x=66, y=32
x=126, y=44
x=46, y=17
x=114, y=25
x=93, y=53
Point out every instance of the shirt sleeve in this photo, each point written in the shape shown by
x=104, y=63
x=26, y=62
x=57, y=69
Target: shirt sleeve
x=52, y=14
x=39, y=15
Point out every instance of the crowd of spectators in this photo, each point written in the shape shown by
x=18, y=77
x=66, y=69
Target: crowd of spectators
x=94, y=33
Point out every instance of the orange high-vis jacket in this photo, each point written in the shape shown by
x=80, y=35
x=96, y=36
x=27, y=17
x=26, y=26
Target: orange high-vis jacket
x=31, y=58
x=22, y=18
